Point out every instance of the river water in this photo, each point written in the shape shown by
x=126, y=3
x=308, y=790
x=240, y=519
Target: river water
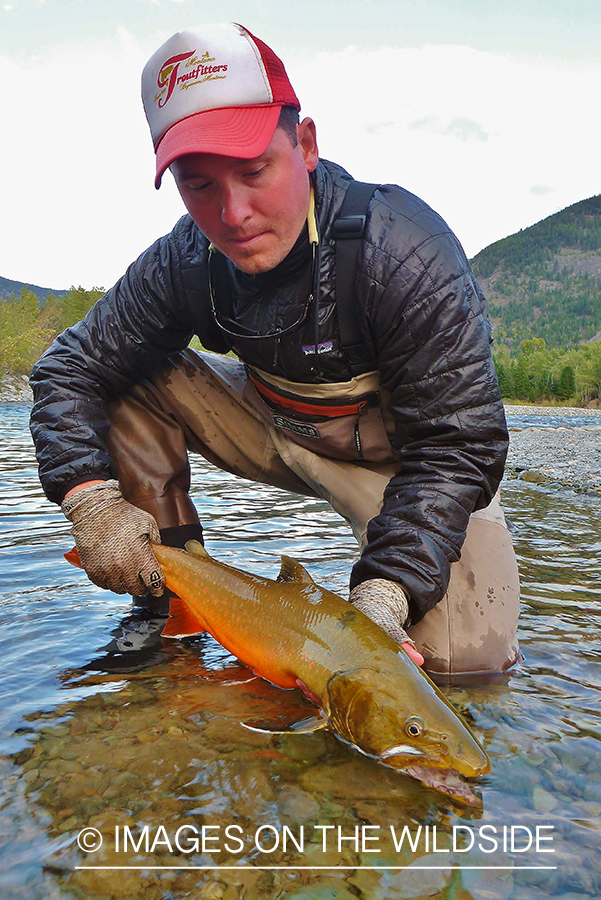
x=104, y=725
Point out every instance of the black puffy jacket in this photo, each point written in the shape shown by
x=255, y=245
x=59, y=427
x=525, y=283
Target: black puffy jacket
x=421, y=314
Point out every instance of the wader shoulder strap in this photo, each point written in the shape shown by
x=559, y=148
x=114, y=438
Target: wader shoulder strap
x=348, y=231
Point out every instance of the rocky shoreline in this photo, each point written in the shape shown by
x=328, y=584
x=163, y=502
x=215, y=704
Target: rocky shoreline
x=565, y=455
x=15, y=388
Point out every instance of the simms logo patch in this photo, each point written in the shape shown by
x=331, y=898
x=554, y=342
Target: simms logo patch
x=184, y=71
x=302, y=428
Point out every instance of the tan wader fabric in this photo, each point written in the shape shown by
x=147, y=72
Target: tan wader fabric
x=205, y=403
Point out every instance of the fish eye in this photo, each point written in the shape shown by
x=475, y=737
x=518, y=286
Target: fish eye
x=414, y=726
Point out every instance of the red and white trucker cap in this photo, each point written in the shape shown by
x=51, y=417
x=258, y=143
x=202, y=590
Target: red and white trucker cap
x=217, y=89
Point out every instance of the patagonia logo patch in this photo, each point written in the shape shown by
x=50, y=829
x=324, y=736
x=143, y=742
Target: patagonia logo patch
x=310, y=349
x=300, y=428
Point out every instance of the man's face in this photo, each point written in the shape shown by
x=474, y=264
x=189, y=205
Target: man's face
x=252, y=210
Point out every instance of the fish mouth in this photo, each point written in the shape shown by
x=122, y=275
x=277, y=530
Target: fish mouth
x=445, y=781
x=401, y=750
x=407, y=754
x=436, y=755
x=432, y=773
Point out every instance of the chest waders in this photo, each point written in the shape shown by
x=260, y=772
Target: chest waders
x=202, y=403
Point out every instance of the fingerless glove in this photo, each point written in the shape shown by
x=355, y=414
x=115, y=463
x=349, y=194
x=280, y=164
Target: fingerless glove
x=386, y=604
x=113, y=540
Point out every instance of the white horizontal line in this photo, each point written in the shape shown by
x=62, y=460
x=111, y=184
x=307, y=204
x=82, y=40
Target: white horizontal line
x=313, y=868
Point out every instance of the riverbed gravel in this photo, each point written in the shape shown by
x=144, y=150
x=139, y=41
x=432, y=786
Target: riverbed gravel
x=568, y=455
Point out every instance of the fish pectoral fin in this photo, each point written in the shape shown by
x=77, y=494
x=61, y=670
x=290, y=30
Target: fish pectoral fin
x=300, y=726
x=181, y=622
x=195, y=548
x=293, y=571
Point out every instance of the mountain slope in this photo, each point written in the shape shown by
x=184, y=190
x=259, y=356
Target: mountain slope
x=9, y=288
x=545, y=281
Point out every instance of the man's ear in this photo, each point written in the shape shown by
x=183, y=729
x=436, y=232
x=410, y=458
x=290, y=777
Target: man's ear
x=307, y=141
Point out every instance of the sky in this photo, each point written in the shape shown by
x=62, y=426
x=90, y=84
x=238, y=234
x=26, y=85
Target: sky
x=487, y=110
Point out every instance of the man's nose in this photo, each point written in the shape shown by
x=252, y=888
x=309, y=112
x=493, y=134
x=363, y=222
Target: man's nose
x=235, y=207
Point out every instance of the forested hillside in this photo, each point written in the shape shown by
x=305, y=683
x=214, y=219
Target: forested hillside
x=545, y=281
x=9, y=288
x=27, y=327
x=543, y=286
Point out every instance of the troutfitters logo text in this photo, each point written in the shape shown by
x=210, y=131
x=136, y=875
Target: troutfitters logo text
x=184, y=71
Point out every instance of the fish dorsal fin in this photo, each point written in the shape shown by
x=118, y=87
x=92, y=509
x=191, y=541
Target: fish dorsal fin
x=195, y=548
x=293, y=571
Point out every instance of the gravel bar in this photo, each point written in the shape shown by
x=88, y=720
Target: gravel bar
x=567, y=455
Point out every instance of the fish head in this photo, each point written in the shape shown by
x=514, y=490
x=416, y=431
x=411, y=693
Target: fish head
x=406, y=724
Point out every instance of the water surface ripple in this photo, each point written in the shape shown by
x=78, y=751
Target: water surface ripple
x=105, y=725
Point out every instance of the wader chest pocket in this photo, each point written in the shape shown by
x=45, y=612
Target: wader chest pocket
x=340, y=428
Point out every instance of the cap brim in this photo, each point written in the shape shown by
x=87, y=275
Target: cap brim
x=243, y=132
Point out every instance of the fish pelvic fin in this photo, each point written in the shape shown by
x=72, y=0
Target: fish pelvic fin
x=181, y=622
x=195, y=548
x=301, y=726
x=292, y=571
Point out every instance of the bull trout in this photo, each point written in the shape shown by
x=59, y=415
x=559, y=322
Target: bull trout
x=296, y=634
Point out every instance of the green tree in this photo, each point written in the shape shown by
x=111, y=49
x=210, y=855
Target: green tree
x=23, y=336
x=566, y=386
x=62, y=312
x=589, y=372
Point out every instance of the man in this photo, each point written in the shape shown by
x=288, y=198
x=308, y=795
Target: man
x=403, y=431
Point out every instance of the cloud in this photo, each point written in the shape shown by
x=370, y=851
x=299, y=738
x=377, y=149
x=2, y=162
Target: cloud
x=539, y=190
x=466, y=130
x=379, y=128
x=470, y=131
x=478, y=135
x=462, y=128
x=81, y=166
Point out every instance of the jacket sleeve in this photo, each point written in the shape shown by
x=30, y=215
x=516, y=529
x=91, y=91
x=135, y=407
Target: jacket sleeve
x=120, y=341
x=431, y=333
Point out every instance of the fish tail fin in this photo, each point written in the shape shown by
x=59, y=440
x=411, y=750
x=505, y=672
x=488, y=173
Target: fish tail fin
x=72, y=556
x=181, y=622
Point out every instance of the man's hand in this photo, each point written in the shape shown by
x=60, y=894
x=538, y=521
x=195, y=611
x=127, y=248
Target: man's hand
x=386, y=604
x=113, y=539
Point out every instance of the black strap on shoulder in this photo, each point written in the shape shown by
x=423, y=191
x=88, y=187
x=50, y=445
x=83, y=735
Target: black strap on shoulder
x=348, y=231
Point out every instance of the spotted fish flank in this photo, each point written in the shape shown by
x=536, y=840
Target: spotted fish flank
x=295, y=633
